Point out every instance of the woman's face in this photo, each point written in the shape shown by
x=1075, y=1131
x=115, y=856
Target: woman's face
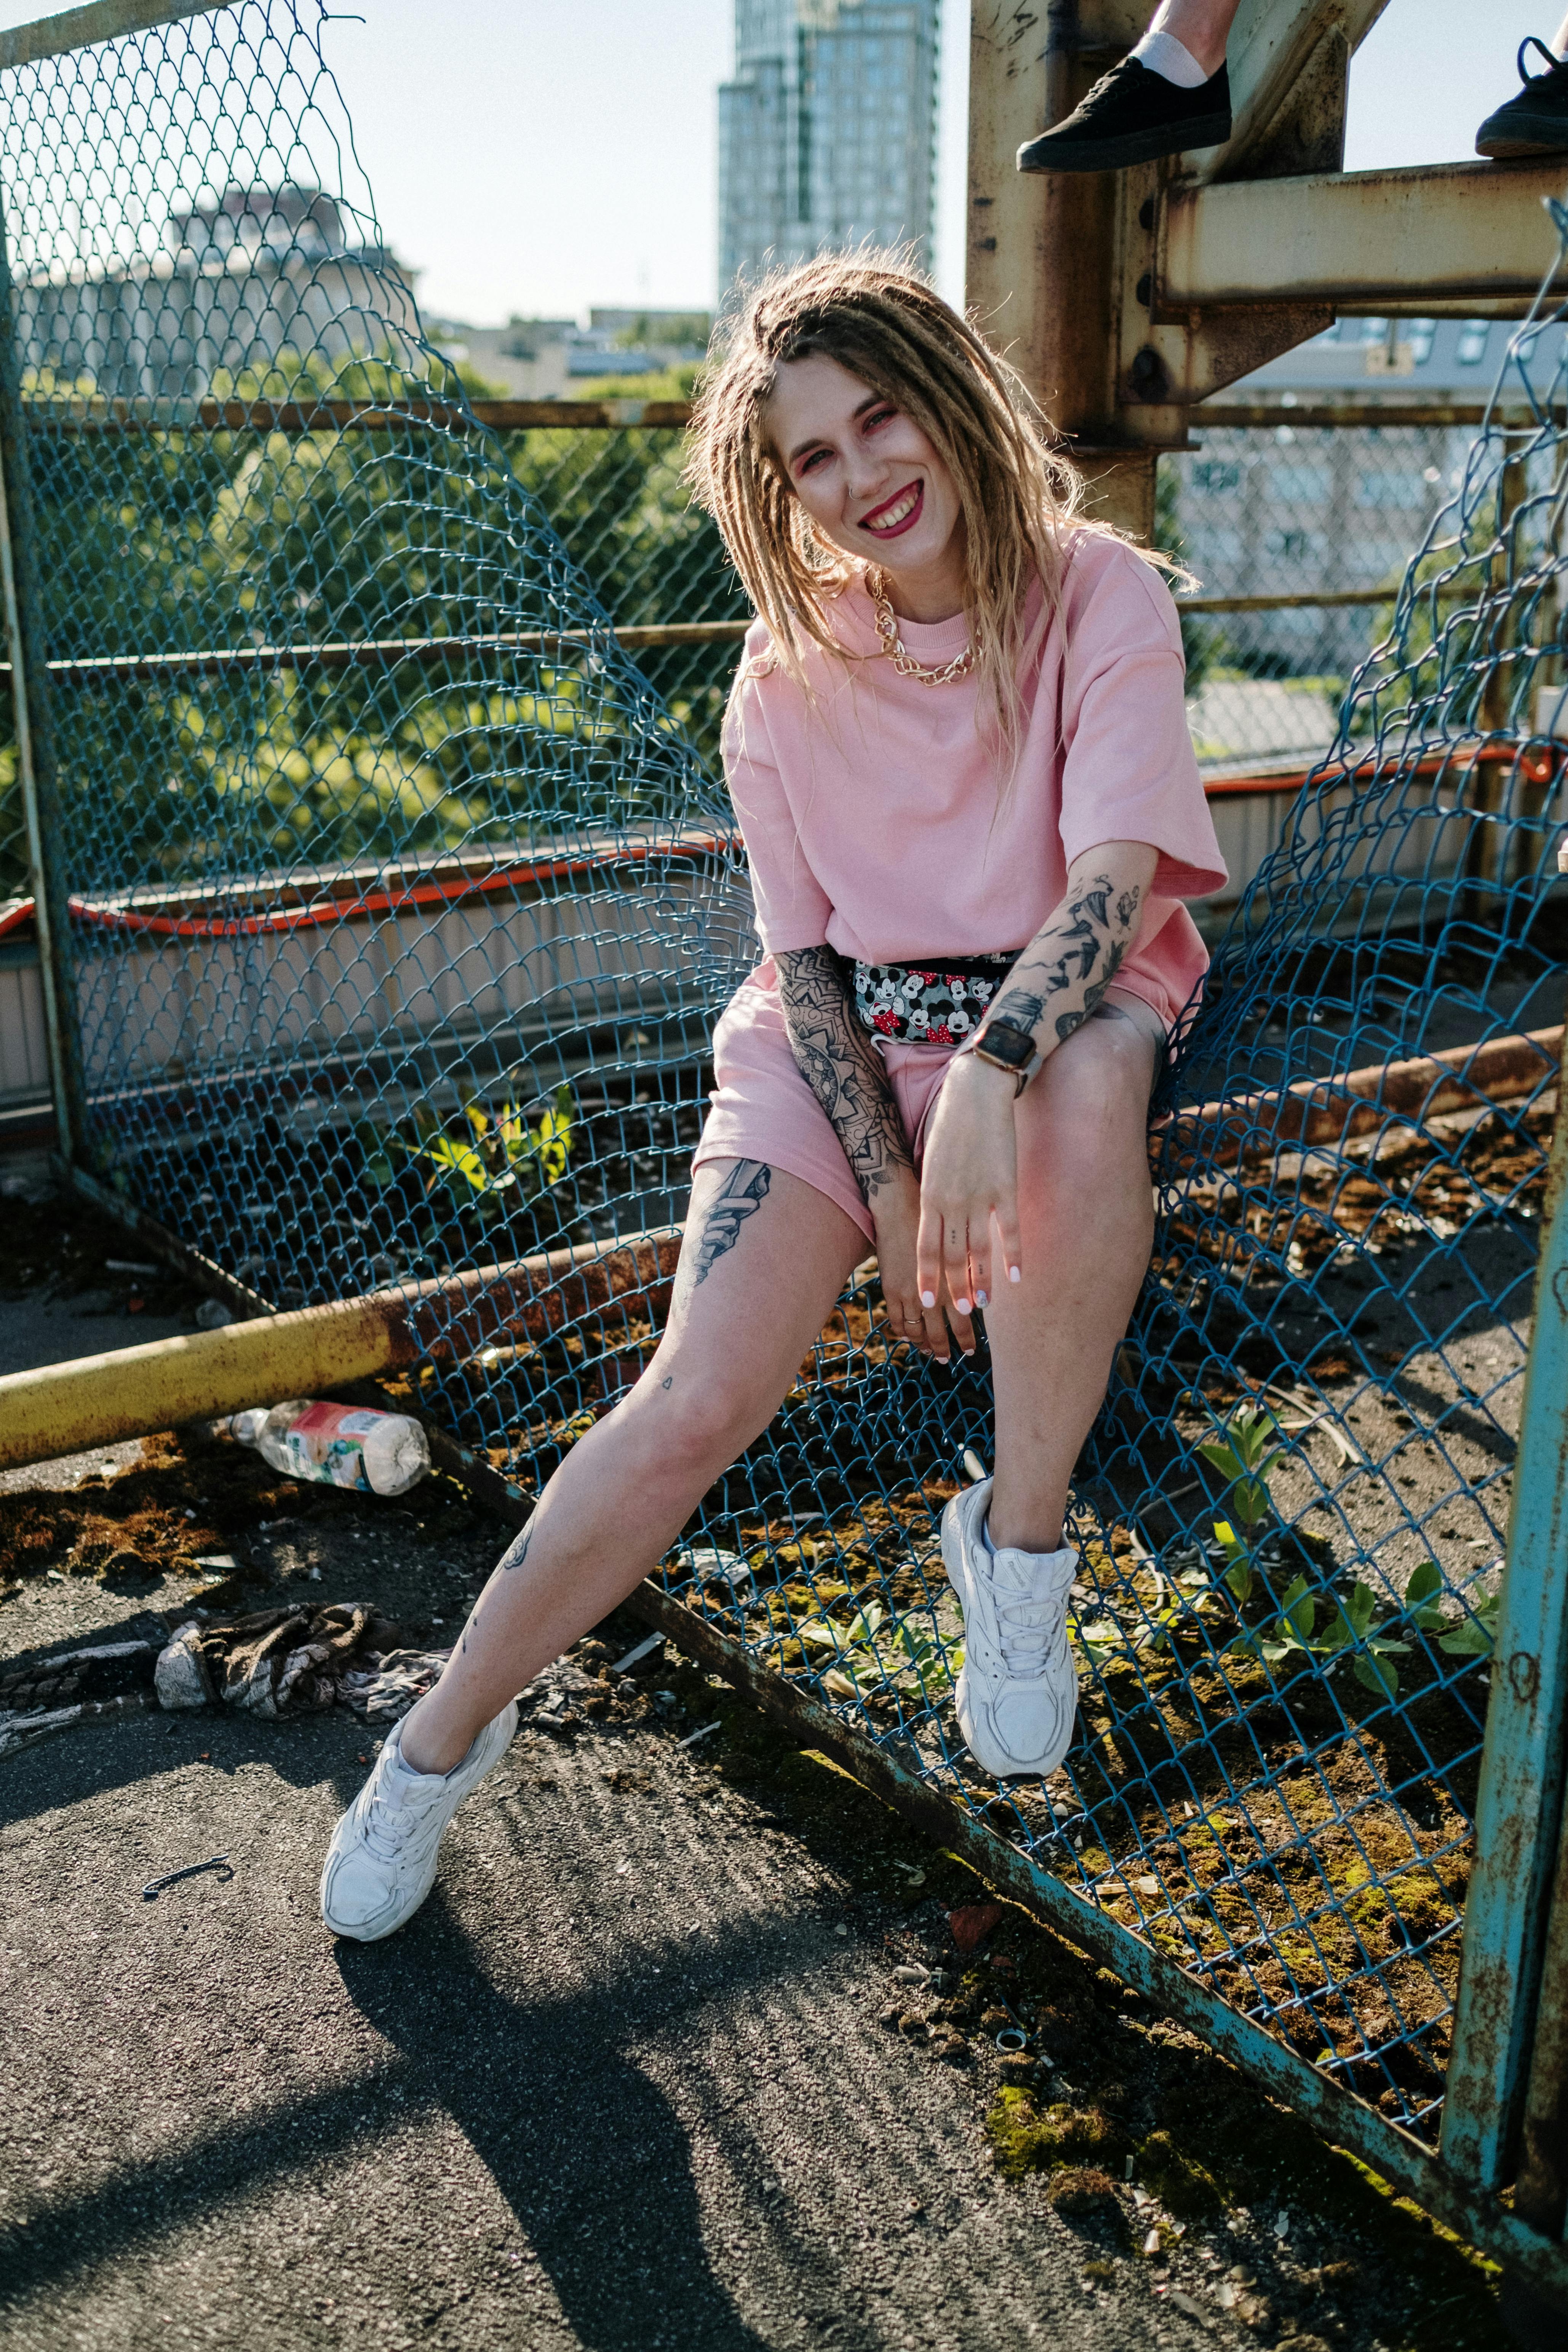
x=869, y=479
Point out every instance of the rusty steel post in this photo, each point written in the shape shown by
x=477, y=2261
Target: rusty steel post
x=1041, y=275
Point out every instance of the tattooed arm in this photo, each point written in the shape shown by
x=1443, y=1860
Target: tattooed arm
x=969, y=1179
x=846, y=1073
x=842, y=1068
x=1070, y=964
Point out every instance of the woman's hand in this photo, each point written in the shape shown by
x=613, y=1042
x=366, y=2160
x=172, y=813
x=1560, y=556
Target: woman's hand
x=895, y=1213
x=969, y=1177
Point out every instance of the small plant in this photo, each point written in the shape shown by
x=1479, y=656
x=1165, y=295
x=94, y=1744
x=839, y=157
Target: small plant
x=1349, y=1626
x=1295, y=1632
x=856, y=1659
x=1474, y=1636
x=506, y=1155
x=1244, y=1453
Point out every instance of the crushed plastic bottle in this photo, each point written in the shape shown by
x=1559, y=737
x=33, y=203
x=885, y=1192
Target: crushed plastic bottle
x=337, y=1444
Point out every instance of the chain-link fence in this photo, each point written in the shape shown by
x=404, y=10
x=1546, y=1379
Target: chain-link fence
x=1272, y=520
x=401, y=903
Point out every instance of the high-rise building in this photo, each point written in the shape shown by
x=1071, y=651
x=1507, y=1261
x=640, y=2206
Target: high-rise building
x=827, y=134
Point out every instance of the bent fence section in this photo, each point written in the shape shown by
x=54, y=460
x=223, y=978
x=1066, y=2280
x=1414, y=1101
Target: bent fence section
x=365, y=971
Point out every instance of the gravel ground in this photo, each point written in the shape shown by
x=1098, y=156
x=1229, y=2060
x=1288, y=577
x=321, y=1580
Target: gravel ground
x=641, y=2075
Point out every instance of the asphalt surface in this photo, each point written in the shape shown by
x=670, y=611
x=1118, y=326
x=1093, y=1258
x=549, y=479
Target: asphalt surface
x=622, y=2085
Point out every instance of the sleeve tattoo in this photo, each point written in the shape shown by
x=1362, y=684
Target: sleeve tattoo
x=1078, y=955
x=842, y=1067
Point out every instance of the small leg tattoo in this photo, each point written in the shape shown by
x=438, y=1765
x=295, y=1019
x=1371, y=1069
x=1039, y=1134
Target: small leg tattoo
x=743, y=1192
x=517, y=1551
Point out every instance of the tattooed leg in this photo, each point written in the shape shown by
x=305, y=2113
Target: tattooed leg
x=767, y=1256
x=741, y=1195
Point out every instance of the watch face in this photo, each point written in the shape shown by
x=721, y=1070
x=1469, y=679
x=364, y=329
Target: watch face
x=1005, y=1044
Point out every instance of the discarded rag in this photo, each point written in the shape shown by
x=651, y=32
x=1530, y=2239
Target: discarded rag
x=287, y=1661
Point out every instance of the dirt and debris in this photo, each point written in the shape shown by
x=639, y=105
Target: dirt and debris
x=193, y=1504
x=956, y=1967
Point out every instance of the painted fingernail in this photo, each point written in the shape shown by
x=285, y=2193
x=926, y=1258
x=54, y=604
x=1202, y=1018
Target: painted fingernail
x=962, y=1304
x=981, y=1299
x=1013, y=1274
x=928, y=1298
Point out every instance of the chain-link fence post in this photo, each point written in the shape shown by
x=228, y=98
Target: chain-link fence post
x=37, y=772
x=1520, y=1804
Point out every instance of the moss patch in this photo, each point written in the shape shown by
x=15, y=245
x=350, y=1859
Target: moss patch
x=1027, y=2140
x=1183, y=2185
x=1081, y=2192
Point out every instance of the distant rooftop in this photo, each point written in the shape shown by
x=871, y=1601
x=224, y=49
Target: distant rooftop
x=1404, y=360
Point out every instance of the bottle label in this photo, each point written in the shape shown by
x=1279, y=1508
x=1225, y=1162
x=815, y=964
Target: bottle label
x=325, y=1444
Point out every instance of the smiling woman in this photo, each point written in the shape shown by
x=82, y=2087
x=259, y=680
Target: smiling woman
x=957, y=751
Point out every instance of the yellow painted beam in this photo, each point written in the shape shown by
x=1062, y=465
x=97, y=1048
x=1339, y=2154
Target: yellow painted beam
x=65, y=1408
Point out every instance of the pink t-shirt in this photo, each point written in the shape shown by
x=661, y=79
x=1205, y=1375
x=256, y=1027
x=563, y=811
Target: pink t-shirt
x=872, y=817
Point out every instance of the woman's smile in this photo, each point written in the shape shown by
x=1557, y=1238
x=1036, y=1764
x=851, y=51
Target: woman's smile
x=843, y=448
x=898, y=514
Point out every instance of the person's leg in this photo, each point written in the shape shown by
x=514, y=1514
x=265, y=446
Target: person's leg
x=764, y=1259
x=1086, y=1214
x=1202, y=26
x=1086, y=1207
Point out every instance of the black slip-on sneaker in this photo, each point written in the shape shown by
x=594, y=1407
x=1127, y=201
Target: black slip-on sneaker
x=1132, y=116
x=1536, y=122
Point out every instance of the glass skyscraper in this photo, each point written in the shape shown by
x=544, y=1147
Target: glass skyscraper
x=827, y=134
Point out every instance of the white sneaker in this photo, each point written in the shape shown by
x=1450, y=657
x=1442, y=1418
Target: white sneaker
x=1017, y=1691
x=381, y=1864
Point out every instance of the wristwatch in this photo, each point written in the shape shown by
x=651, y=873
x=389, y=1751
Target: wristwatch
x=1006, y=1047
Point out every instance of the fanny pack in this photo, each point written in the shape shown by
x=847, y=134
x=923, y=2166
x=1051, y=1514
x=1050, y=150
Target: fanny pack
x=939, y=1002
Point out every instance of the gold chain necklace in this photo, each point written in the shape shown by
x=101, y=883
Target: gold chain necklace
x=893, y=646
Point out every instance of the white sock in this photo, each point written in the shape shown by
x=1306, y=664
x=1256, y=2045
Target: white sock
x=1162, y=54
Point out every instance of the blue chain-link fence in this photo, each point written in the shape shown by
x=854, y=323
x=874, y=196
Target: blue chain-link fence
x=402, y=903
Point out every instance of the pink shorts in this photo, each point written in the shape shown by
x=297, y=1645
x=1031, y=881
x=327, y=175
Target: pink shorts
x=764, y=1109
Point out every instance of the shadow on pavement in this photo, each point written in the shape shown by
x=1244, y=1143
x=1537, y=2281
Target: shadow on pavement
x=587, y=2152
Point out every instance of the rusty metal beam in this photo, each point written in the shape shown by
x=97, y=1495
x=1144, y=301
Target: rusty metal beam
x=1288, y=63
x=1378, y=241
x=105, y=416
x=1040, y=271
x=1326, y=1110
x=82, y=28
x=135, y=1391
x=663, y=416
x=1310, y=417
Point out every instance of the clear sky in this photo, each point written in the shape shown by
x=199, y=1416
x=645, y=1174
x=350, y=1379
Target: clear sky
x=530, y=157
